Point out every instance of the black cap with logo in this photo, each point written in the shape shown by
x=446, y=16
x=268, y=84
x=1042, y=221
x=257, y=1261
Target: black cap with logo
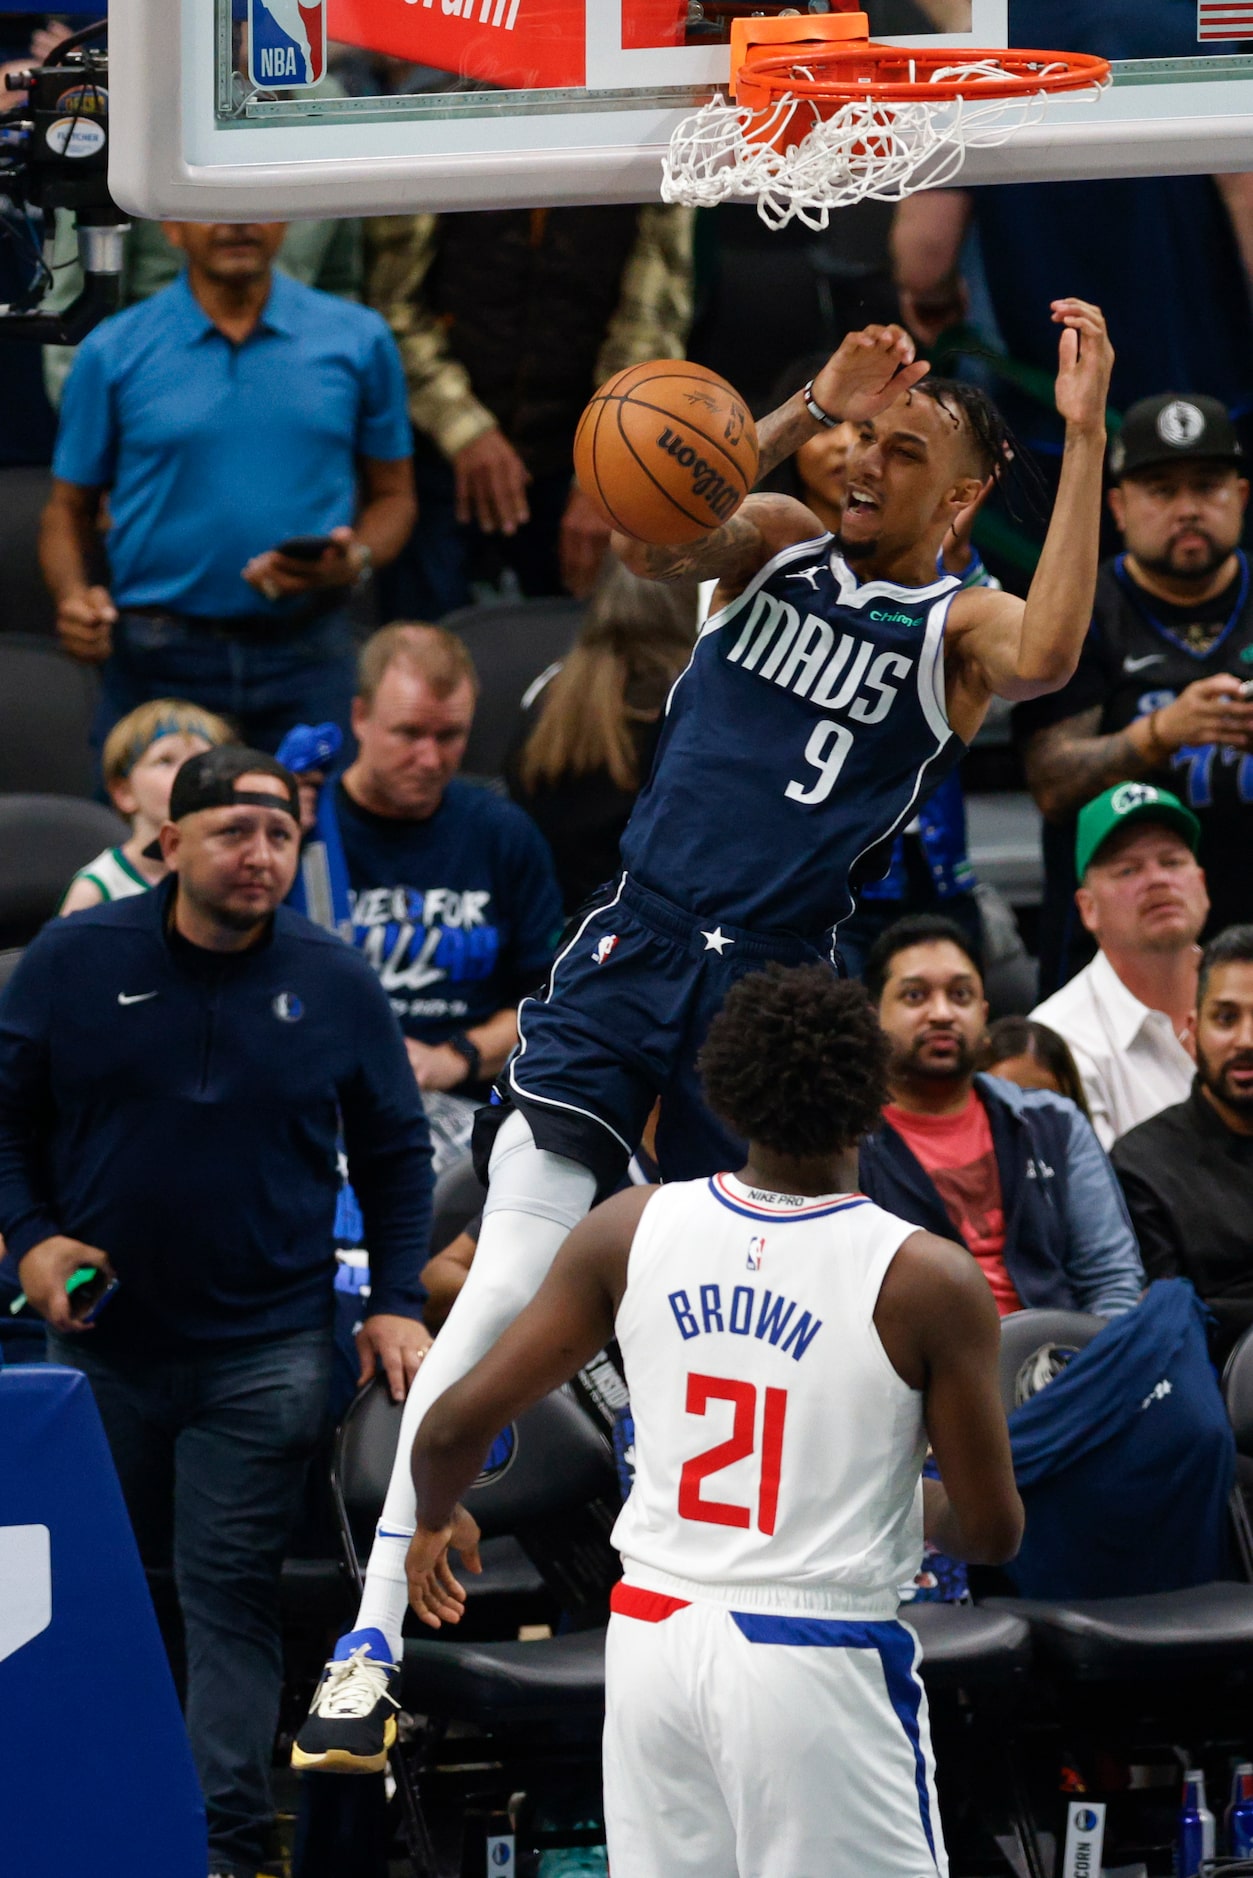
x=1171, y=428
x=210, y=781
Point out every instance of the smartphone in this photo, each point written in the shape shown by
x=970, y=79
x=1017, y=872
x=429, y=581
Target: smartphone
x=88, y=1290
x=305, y=547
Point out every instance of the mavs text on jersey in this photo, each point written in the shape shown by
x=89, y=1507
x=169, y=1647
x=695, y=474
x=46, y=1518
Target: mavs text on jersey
x=798, y=742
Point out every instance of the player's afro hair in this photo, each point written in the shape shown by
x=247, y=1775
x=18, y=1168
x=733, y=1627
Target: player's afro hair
x=795, y=1060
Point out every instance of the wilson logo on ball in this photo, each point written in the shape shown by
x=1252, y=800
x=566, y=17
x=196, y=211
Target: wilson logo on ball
x=707, y=485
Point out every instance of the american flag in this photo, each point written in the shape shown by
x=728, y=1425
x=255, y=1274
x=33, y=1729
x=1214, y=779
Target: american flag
x=1224, y=19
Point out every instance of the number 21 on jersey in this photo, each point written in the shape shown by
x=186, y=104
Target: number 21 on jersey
x=745, y=1439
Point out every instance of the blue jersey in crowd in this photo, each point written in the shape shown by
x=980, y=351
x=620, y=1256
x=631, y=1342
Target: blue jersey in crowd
x=799, y=741
x=458, y=914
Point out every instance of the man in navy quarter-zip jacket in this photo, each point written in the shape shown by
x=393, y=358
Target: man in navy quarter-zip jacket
x=175, y=1070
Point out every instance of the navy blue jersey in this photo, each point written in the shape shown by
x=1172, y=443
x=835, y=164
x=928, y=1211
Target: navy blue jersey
x=797, y=743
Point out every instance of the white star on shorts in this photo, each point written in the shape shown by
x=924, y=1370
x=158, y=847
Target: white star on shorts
x=716, y=941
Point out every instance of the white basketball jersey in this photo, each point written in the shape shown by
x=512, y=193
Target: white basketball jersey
x=777, y=1452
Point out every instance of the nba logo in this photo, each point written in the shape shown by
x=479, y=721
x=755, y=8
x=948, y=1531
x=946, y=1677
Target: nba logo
x=604, y=947
x=756, y=1251
x=286, y=42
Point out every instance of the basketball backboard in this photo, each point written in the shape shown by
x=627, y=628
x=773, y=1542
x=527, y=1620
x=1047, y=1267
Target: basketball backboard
x=268, y=109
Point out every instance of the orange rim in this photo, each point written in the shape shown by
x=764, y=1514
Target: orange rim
x=840, y=74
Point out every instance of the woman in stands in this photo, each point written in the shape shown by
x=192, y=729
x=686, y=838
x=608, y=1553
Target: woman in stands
x=142, y=754
x=593, y=723
x=1035, y=1057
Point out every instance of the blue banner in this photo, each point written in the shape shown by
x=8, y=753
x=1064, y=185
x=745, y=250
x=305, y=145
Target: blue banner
x=97, y=1773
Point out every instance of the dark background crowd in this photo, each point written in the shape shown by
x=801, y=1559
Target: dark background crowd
x=319, y=476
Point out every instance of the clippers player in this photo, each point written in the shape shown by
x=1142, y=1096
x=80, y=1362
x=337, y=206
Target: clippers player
x=837, y=680
x=790, y=1348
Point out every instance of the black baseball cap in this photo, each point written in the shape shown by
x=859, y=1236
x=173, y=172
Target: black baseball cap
x=211, y=781
x=1174, y=427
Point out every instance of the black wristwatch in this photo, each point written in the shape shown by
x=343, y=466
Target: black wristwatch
x=471, y=1052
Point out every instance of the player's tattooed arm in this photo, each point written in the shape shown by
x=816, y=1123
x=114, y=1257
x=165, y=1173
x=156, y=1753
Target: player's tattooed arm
x=1067, y=764
x=732, y=554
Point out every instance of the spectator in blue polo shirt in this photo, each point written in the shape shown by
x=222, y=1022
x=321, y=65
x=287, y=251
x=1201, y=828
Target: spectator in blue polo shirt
x=222, y=418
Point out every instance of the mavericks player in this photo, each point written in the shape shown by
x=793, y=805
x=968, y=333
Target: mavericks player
x=790, y=1348
x=837, y=681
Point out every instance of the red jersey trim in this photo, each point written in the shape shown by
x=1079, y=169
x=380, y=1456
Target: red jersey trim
x=651, y=1607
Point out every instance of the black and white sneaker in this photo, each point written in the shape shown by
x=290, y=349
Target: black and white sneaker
x=352, y=1720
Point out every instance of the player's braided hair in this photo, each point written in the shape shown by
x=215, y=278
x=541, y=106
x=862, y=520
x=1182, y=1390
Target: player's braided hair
x=795, y=1060
x=998, y=451
x=971, y=407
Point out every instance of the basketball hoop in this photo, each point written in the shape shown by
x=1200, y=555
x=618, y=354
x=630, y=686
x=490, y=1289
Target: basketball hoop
x=823, y=117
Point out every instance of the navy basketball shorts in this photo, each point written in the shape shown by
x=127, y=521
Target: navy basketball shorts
x=621, y=1020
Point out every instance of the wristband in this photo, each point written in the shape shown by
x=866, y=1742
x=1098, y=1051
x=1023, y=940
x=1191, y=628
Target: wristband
x=470, y=1051
x=1158, y=752
x=816, y=411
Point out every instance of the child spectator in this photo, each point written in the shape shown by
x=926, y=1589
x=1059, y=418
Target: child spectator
x=142, y=755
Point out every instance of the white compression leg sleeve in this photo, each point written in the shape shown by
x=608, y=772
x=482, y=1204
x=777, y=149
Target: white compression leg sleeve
x=534, y=1199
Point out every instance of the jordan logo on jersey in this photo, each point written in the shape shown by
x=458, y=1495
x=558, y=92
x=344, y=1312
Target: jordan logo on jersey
x=802, y=656
x=766, y=1315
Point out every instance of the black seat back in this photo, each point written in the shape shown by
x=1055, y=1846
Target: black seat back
x=459, y=1195
x=47, y=702
x=510, y=645
x=44, y=840
x=551, y=1461
x=1238, y=1393
x=1024, y=1334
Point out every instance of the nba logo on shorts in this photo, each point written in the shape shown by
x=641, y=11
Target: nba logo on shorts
x=604, y=947
x=286, y=42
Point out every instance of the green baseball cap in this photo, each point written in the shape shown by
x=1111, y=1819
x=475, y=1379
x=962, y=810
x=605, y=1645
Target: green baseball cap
x=1125, y=803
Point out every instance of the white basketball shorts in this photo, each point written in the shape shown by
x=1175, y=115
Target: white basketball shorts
x=739, y=1745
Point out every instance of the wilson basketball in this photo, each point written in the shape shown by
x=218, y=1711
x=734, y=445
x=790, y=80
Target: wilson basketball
x=667, y=451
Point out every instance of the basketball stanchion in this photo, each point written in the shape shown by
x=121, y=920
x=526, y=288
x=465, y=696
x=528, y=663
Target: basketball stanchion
x=823, y=117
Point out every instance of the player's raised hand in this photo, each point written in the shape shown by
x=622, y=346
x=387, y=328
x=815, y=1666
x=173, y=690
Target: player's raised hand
x=869, y=371
x=434, y=1593
x=1086, y=362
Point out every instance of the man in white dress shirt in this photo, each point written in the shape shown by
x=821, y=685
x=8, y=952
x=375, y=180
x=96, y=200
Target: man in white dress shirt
x=1142, y=897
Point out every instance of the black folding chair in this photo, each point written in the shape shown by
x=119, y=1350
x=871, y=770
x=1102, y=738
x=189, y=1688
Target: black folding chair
x=520, y=1708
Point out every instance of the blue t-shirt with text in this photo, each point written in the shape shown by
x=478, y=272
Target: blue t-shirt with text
x=459, y=914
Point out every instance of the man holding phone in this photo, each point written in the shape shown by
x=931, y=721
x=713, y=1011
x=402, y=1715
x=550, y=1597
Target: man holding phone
x=175, y=1070
x=252, y=438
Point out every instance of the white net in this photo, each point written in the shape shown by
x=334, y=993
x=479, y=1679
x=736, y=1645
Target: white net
x=865, y=148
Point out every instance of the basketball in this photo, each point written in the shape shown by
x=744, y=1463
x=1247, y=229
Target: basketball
x=667, y=451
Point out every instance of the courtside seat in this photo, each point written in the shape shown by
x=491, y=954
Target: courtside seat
x=44, y=840
x=1141, y=1639
x=511, y=645
x=493, y=1684
x=970, y=1647
x=1154, y=1636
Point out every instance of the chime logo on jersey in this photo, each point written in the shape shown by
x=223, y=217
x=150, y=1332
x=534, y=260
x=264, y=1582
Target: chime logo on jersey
x=287, y=42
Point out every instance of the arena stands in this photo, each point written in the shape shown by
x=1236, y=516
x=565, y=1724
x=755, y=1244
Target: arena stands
x=529, y=707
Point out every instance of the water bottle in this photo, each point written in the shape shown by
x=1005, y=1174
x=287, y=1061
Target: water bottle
x=1195, y=1836
x=1239, y=1820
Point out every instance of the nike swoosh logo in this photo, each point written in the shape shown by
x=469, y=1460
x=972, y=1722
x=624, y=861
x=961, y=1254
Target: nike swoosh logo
x=1138, y=665
x=135, y=997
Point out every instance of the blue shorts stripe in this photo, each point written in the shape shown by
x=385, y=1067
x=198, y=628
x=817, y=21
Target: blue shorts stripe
x=896, y=1653
x=895, y=1647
